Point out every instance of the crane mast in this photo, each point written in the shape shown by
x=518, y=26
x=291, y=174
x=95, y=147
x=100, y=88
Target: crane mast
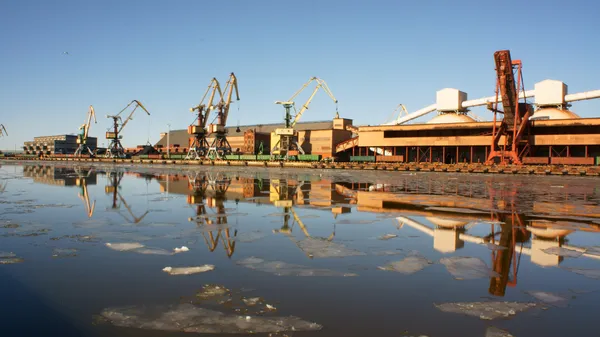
x=220, y=146
x=286, y=139
x=199, y=147
x=3, y=131
x=83, y=134
x=115, y=148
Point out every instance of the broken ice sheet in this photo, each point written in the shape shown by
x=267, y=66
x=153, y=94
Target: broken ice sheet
x=321, y=248
x=191, y=318
x=250, y=236
x=549, y=298
x=387, y=236
x=212, y=291
x=591, y=273
x=564, y=252
x=494, y=247
x=64, y=252
x=280, y=268
x=485, y=310
x=11, y=260
x=408, y=265
x=495, y=332
x=467, y=268
x=252, y=301
x=124, y=246
x=189, y=270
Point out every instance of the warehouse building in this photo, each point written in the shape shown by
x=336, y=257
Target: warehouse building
x=314, y=137
x=61, y=144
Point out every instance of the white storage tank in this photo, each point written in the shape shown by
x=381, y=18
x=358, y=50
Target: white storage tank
x=450, y=99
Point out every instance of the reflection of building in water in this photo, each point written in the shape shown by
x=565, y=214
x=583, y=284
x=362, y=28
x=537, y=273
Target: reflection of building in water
x=65, y=176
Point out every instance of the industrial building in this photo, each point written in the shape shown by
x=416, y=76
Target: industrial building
x=314, y=137
x=61, y=144
x=552, y=133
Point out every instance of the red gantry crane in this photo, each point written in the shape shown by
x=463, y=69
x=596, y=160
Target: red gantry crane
x=220, y=146
x=115, y=148
x=83, y=134
x=199, y=147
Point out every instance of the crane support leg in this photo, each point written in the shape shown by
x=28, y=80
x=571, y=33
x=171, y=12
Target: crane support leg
x=198, y=149
x=220, y=147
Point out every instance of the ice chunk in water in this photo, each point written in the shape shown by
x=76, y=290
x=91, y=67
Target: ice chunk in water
x=64, y=252
x=387, y=236
x=189, y=270
x=591, y=273
x=124, y=246
x=190, y=318
x=485, y=310
x=409, y=265
x=321, y=248
x=562, y=252
x=494, y=247
x=280, y=268
x=549, y=298
x=211, y=291
x=10, y=260
x=495, y=332
x=251, y=236
x=467, y=268
x=151, y=251
x=251, y=301
x=7, y=254
x=181, y=249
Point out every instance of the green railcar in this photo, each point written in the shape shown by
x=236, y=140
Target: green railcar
x=232, y=157
x=362, y=158
x=309, y=157
x=247, y=157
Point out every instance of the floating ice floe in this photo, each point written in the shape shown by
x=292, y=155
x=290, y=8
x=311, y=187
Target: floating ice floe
x=495, y=332
x=486, y=310
x=125, y=246
x=252, y=301
x=189, y=270
x=591, y=273
x=564, y=252
x=191, y=318
x=467, y=268
x=181, y=249
x=64, y=252
x=280, y=268
x=212, y=291
x=408, y=265
x=250, y=237
x=549, y=298
x=321, y=248
x=9, y=258
x=494, y=247
x=387, y=252
x=387, y=236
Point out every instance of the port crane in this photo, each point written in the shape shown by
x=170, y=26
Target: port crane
x=199, y=147
x=83, y=134
x=285, y=139
x=115, y=148
x=114, y=184
x=82, y=182
x=220, y=146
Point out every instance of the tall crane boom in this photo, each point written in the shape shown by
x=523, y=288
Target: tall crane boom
x=115, y=149
x=199, y=147
x=84, y=132
x=286, y=139
x=3, y=131
x=220, y=146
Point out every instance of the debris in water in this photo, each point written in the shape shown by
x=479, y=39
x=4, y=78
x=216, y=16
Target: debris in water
x=495, y=247
x=11, y=260
x=280, y=268
x=10, y=226
x=191, y=318
x=189, y=270
x=387, y=236
x=181, y=249
x=549, y=298
x=210, y=291
x=125, y=246
x=321, y=248
x=495, y=332
x=64, y=252
x=270, y=307
x=591, y=273
x=564, y=252
x=486, y=310
x=408, y=265
x=467, y=268
x=252, y=301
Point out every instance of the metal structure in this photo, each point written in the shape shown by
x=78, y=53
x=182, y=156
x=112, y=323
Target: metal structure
x=115, y=148
x=82, y=182
x=114, y=184
x=514, y=124
x=287, y=142
x=220, y=146
x=83, y=134
x=199, y=147
x=3, y=131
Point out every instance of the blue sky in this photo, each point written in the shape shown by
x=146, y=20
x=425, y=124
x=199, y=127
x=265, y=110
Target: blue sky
x=373, y=55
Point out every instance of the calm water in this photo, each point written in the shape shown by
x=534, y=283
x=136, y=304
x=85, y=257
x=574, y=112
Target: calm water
x=59, y=218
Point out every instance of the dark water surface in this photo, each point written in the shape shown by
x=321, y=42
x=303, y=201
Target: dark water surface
x=358, y=253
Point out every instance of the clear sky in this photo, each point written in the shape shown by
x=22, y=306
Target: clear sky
x=373, y=54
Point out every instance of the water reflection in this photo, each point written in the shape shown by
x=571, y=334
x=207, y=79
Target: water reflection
x=510, y=225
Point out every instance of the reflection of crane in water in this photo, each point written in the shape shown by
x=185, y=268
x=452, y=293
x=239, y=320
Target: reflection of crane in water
x=216, y=226
x=114, y=182
x=82, y=182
